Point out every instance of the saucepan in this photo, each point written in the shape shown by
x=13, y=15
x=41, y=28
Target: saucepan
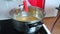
x=27, y=22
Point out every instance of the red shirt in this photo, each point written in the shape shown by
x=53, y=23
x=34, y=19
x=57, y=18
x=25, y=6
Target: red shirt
x=38, y=3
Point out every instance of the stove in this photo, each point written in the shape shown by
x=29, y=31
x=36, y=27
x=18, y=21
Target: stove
x=6, y=27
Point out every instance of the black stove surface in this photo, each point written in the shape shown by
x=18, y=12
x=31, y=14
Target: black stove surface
x=6, y=27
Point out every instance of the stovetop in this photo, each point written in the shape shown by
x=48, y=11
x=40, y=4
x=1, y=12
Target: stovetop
x=6, y=27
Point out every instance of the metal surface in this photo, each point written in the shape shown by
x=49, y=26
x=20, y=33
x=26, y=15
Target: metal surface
x=27, y=28
x=33, y=12
x=28, y=22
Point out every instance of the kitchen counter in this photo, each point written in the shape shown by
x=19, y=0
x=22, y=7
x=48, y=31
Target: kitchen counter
x=49, y=22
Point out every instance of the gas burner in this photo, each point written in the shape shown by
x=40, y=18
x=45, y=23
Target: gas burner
x=6, y=27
